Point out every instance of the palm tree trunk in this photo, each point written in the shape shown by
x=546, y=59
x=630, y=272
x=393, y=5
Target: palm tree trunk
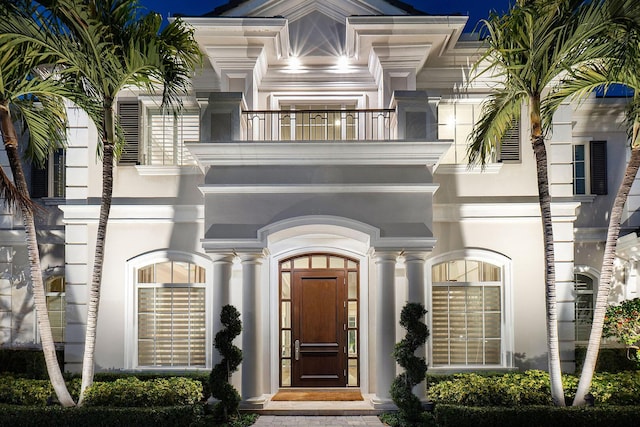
x=606, y=274
x=44, y=327
x=88, y=362
x=544, y=197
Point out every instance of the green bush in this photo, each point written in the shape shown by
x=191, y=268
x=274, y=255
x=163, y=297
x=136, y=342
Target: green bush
x=415, y=368
x=26, y=362
x=11, y=416
x=535, y=416
x=221, y=388
x=609, y=360
x=111, y=376
x=134, y=392
x=531, y=388
x=23, y=391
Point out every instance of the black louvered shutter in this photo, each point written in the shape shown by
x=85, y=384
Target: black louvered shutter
x=39, y=181
x=129, y=114
x=598, y=151
x=510, y=144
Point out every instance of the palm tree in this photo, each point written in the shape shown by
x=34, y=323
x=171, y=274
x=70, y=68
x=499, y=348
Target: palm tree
x=115, y=46
x=528, y=48
x=620, y=67
x=37, y=102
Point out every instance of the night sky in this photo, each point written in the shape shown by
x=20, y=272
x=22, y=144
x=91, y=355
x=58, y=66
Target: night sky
x=475, y=9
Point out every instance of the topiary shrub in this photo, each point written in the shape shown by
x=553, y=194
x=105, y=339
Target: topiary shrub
x=409, y=405
x=221, y=388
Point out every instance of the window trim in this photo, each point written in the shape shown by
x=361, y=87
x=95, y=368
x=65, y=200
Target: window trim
x=594, y=275
x=507, y=318
x=131, y=322
x=588, y=168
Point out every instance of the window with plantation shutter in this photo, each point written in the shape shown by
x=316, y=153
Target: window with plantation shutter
x=166, y=134
x=590, y=168
x=171, y=315
x=510, y=144
x=129, y=119
x=467, y=299
x=56, y=306
x=50, y=180
x=584, y=305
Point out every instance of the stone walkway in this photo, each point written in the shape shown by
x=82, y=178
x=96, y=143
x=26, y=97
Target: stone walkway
x=318, y=421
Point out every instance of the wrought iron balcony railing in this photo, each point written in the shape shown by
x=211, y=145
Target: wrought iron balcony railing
x=319, y=125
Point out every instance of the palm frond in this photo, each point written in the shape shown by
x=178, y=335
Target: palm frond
x=497, y=115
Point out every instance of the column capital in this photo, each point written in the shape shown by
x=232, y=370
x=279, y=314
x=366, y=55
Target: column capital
x=415, y=256
x=222, y=257
x=253, y=256
x=385, y=256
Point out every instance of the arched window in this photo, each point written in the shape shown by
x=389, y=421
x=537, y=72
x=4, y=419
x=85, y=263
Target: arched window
x=171, y=314
x=56, y=306
x=584, y=286
x=468, y=313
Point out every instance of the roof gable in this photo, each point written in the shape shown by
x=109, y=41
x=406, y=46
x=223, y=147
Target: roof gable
x=294, y=9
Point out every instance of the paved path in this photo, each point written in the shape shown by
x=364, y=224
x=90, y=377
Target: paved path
x=318, y=421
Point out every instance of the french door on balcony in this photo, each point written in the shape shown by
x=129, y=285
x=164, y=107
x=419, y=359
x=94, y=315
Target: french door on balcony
x=319, y=123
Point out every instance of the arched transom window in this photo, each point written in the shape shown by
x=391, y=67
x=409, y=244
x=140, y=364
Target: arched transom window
x=171, y=315
x=467, y=313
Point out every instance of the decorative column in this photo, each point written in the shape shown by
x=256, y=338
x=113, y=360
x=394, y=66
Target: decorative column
x=385, y=325
x=222, y=264
x=414, y=265
x=252, y=357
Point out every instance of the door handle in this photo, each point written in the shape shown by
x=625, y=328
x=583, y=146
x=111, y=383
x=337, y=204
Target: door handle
x=297, y=349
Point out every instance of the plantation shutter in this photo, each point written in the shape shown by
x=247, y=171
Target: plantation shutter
x=167, y=135
x=466, y=325
x=39, y=182
x=598, y=151
x=510, y=144
x=129, y=115
x=171, y=326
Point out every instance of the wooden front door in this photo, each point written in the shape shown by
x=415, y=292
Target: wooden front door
x=319, y=328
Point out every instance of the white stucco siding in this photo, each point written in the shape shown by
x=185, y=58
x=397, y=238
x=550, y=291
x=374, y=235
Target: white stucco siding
x=521, y=241
x=127, y=240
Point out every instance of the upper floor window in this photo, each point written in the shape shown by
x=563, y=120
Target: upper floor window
x=590, y=168
x=467, y=313
x=156, y=137
x=456, y=121
x=319, y=122
x=49, y=181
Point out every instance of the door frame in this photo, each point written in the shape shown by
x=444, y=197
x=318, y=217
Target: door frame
x=362, y=317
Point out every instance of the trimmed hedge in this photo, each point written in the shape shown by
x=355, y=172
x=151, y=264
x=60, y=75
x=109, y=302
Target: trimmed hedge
x=201, y=377
x=609, y=360
x=123, y=392
x=535, y=416
x=129, y=392
x=531, y=388
x=27, y=416
x=26, y=362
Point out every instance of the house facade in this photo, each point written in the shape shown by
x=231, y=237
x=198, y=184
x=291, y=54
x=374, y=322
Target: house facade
x=317, y=180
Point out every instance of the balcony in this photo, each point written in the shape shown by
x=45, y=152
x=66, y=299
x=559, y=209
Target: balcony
x=319, y=125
